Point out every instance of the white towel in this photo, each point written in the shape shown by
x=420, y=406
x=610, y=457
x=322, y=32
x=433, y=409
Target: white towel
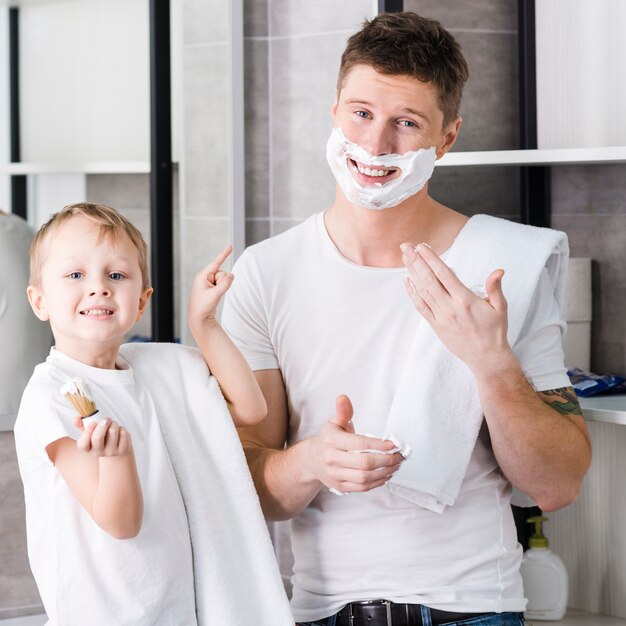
x=236, y=575
x=436, y=407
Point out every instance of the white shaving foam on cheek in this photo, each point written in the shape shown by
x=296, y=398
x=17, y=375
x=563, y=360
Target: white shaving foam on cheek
x=415, y=167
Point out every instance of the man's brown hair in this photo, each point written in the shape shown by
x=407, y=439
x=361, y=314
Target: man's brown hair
x=112, y=225
x=407, y=44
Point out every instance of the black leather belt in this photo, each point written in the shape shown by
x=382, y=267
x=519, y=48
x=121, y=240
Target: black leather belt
x=385, y=613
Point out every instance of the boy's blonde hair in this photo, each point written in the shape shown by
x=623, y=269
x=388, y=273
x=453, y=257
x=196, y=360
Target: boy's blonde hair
x=112, y=225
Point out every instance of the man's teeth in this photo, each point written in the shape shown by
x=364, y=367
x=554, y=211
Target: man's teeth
x=95, y=312
x=371, y=172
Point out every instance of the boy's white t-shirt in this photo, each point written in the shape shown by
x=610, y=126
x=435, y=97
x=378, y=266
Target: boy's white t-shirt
x=334, y=327
x=84, y=575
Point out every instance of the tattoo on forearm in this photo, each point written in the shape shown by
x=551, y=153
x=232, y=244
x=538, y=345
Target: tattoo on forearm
x=563, y=400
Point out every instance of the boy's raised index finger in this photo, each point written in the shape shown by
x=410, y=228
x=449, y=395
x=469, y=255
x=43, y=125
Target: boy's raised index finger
x=216, y=263
x=223, y=255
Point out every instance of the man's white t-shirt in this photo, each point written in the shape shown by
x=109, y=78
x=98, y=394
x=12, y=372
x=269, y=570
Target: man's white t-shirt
x=335, y=327
x=84, y=575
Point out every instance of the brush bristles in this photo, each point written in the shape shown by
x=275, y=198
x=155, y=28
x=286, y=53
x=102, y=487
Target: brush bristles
x=84, y=406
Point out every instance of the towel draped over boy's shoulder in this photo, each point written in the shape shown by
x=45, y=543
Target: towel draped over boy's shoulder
x=236, y=576
x=436, y=408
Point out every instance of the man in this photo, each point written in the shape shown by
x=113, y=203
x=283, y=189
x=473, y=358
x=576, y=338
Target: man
x=321, y=313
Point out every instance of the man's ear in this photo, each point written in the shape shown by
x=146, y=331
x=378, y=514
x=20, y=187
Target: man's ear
x=449, y=136
x=37, y=302
x=143, y=301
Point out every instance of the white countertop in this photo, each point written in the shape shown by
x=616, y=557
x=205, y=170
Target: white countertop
x=609, y=409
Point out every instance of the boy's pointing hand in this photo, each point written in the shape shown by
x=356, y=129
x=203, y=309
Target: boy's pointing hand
x=209, y=285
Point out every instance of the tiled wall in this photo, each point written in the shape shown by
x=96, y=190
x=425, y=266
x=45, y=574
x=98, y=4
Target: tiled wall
x=292, y=52
x=589, y=204
x=204, y=216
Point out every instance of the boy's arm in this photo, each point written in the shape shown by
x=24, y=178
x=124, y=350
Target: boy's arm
x=100, y=471
x=237, y=382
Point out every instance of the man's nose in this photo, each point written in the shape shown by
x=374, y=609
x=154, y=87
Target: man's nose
x=379, y=140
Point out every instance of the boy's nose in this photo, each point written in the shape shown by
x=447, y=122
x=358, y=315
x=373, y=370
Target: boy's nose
x=102, y=291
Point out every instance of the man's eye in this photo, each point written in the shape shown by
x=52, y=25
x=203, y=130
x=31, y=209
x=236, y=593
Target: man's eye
x=75, y=275
x=116, y=276
x=408, y=123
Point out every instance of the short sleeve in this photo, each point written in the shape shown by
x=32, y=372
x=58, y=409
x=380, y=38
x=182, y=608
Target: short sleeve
x=43, y=417
x=539, y=347
x=245, y=315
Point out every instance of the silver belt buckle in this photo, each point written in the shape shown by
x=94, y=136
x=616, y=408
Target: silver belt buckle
x=386, y=603
x=388, y=607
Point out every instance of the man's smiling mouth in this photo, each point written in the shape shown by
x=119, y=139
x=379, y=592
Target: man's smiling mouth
x=382, y=173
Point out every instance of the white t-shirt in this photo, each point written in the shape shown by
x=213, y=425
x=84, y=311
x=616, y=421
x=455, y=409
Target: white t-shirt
x=83, y=574
x=332, y=327
x=24, y=340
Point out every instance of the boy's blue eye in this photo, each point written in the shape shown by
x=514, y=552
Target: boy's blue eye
x=75, y=275
x=116, y=276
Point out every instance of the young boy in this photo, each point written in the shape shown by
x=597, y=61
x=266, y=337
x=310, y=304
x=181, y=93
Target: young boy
x=108, y=518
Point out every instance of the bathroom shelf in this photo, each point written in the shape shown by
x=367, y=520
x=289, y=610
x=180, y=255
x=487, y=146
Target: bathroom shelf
x=560, y=156
x=608, y=409
x=87, y=167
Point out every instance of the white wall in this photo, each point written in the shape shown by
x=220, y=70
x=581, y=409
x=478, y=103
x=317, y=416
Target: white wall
x=85, y=81
x=581, y=83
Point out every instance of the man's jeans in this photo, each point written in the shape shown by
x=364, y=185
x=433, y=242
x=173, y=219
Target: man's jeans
x=499, y=619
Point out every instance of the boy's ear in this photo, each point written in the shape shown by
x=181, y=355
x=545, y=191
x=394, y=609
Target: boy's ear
x=143, y=301
x=37, y=302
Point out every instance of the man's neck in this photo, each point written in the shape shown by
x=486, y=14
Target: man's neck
x=373, y=237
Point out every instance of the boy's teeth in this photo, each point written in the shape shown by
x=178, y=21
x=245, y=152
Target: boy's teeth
x=98, y=312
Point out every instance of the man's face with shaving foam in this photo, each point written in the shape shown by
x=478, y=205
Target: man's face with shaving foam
x=389, y=114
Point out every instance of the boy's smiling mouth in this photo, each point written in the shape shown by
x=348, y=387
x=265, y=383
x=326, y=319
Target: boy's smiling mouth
x=97, y=312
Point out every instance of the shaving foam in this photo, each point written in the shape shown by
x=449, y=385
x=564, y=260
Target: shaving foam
x=415, y=167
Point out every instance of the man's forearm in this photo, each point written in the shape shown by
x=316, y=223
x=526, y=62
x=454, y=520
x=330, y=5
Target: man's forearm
x=543, y=452
x=282, y=480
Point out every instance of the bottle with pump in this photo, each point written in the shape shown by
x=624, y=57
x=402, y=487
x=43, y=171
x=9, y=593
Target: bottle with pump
x=545, y=577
